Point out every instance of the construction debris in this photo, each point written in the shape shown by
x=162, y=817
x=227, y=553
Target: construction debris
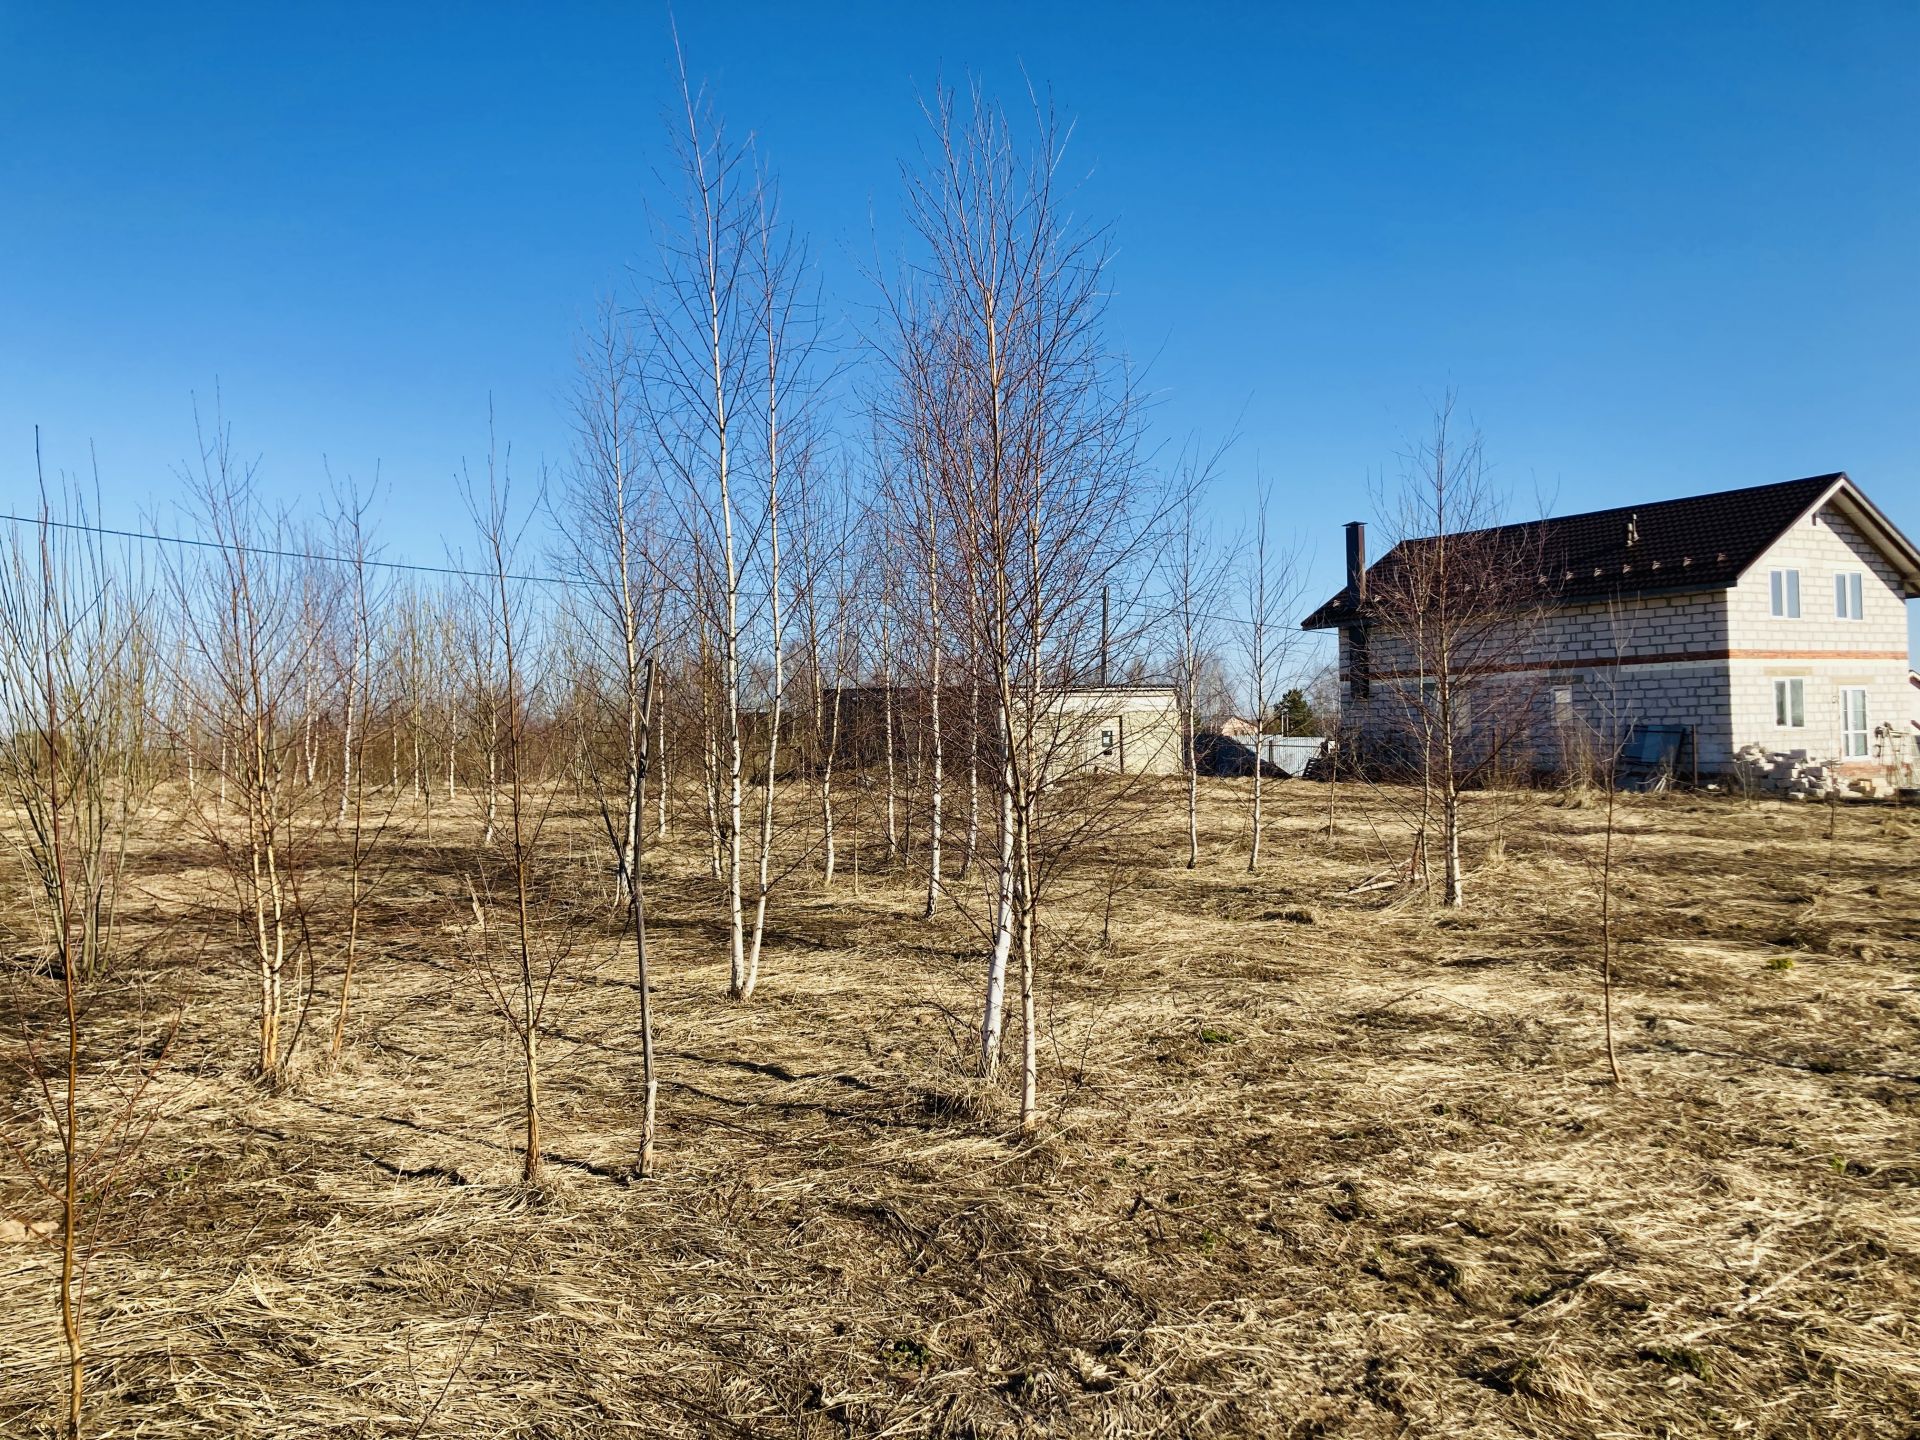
x=1797, y=775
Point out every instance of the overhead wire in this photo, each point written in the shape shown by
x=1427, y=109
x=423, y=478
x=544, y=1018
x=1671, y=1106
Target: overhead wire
x=272, y=552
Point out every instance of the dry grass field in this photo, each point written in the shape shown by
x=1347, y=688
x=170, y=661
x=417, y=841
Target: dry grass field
x=1317, y=1160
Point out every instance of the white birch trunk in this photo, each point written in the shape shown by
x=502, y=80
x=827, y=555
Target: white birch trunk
x=311, y=744
x=1193, y=780
x=936, y=777
x=346, y=754
x=973, y=782
x=886, y=692
x=493, y=771
x=660, y=763
x=761, y=884
x=993, y=1019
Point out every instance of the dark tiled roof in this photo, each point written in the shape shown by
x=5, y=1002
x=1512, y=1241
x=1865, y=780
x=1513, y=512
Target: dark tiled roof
x=1701, y=542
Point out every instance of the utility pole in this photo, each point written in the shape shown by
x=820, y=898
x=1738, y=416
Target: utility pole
x=1105, y=632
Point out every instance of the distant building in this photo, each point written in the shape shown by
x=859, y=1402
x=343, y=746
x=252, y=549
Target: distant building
x=1122, y=729
x=1773, y=616
x=1125, y=729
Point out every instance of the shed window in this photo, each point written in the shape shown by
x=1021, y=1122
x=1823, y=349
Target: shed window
x=1790, y=703
x=1786, y=594
x=1847, y=596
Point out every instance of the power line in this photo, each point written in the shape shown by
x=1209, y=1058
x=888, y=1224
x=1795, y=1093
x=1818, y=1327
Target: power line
x=1167, y=612
x=284, y=554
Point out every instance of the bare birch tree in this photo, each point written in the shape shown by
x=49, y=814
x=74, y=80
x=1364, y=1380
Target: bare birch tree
x=1044, y=508
x=1198, y=576
x=928, y=437
x=516, y=958
x=363, y=824
x=1451, y=613
x=727, y=333
x=253, y=614
x=619, y=574
x=1271, y=594
x=825, y=602
x=75, y=677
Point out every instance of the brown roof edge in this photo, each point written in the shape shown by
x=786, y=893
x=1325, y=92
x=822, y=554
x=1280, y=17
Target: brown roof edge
x=1862, y=511
x=1702, y=542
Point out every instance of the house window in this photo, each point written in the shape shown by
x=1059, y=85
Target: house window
x=1454, y=709
x=1786, y=594
x=1853, y=722
x=1790, y=703
x=1106, y=742
x=1847, y=596
x=1359, y=665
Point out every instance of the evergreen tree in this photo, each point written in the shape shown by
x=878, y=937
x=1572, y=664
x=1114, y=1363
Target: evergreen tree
x=1293, y=716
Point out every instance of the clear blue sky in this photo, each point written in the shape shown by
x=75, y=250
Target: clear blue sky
x=1656, y=248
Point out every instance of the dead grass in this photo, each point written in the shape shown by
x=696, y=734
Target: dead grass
x=1318, y=1163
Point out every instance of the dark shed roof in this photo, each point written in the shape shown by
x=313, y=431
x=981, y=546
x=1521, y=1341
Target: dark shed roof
x=1699, y=542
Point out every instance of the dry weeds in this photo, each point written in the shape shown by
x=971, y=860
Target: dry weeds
x=1319, y=1163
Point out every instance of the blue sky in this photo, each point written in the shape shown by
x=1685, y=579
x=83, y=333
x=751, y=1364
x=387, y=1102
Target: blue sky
x=1656, y=249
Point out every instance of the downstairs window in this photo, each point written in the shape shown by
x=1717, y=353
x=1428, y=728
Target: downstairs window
x=1854, y=743
x=1790, y=703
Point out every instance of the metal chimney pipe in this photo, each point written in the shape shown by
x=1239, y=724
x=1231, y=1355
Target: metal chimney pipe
x=1357, y=561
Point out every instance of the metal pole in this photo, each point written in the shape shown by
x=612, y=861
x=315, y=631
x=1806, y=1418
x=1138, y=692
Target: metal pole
x=1105, y=633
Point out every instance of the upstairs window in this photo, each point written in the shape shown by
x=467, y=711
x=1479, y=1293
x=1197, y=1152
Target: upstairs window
x=1847, y=595
x=1786, y=594
x=1790, y=704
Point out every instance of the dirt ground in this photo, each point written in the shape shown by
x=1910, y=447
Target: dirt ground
x=1318, y=1160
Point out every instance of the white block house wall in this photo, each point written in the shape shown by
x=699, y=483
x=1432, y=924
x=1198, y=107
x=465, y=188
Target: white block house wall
x=1686, y=634
x=1826, y=652
x=1650, y=660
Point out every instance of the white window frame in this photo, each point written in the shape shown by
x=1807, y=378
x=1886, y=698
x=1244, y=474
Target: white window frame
x=1783, y=594
x=1855, y=744
x=1849, y=595
x=1790, y=703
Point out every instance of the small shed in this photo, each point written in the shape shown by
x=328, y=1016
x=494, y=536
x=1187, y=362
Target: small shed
x=1125, y=729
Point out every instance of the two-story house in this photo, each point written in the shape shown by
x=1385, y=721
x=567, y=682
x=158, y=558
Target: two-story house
x=1771, y=616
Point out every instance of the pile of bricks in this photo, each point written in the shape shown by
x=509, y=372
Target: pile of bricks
x=1792, y=773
